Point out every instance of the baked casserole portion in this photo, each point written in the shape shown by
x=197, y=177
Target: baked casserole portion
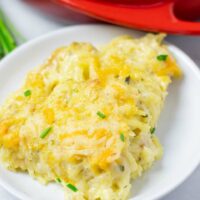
x=86, y=118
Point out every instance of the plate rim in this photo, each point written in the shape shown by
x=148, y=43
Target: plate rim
x=193, y=66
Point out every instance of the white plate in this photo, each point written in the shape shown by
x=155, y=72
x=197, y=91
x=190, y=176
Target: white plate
x=178, y=128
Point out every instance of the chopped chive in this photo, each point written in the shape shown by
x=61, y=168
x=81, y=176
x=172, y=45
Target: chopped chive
x=45, y=132
x=75, y=90
x=27, y=93
x=72, y=187
x=58, y=180
x=146, y=115
x=122, y=168
x=122, y=137
x=152, y=130
x=127, y=79
x=162, y=57
x=101, y=115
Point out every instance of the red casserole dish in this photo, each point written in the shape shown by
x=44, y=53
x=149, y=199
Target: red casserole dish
x=170, y=16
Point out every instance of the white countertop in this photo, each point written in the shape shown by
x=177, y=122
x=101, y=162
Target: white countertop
x=32, y=23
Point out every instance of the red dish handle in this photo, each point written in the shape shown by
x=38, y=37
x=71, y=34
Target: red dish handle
x=159, y=17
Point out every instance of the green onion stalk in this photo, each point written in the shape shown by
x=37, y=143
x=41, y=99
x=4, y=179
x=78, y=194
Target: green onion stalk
x=6, y=39
x=8, y=35
x=1, y=52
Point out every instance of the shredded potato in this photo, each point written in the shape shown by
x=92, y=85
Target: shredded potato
x=86, y=118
